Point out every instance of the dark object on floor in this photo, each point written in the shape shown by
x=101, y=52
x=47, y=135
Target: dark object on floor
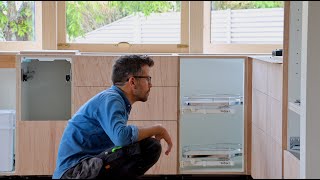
x=165, y=177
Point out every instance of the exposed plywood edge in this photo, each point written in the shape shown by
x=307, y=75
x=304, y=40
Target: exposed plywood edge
x=133, y=48
x=49, y=52
x=285, y=79
x=7, y=61
x=242, y=48
x=248, y=116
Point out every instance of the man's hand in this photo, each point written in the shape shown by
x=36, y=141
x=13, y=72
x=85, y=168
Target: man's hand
x=164, y=135
x=159, y=132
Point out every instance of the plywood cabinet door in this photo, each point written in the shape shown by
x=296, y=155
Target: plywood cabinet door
x=7, y=61
x=291, y=166
x=258, y=156
x=97, y=70
x=161, y=104
x=37, y=146
x=167, y=164
x=92, y=74
x=275, y=76
x=260, y=76
x=92, y=70
x=266, y=120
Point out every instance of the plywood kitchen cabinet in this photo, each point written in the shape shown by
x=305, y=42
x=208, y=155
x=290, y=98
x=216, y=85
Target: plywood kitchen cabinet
x=291, y=165
x=8, y=60
x=96, y=70
x=43, y=108
x=266, y=157
x=38, y=146
x=213, y=117
x=92, y=74
x=167, y=164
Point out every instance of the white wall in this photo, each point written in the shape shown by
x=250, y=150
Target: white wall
x=7, y=88
x=46, y=96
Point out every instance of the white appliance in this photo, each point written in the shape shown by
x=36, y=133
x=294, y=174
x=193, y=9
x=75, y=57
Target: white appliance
x=7, y=132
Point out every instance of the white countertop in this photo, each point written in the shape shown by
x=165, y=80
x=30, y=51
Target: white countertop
x=270, y=59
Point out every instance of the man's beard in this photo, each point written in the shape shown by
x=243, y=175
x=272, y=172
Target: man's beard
x=144, y=98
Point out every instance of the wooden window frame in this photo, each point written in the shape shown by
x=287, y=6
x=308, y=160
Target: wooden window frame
x=50, y=25
x=131, y=48
x=232, y=48
x=28, y=45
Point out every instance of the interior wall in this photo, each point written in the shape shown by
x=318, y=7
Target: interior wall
x=46, y=95
x=7, y=88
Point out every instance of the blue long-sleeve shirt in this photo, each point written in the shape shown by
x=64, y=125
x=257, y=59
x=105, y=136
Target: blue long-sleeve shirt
x=99, y=124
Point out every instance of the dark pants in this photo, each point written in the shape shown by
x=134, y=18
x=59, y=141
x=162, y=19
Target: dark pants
x=130, y=162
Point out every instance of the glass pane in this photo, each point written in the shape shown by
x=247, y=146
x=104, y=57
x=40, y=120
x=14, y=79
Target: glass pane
x=135, y=22
x=17, y=21
x=211, y=115
x=247, y=22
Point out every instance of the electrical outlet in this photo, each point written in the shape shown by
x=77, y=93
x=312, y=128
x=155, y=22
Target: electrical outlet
x=295, y=143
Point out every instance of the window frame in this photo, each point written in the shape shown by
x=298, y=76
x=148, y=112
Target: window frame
x=195, y=34
x=122, y=47
x=30, y=45
x=234, y=48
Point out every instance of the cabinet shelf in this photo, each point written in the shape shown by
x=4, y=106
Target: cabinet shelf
x=295, y=107
x=210, y=104
x=201, y=110
x=220, y=154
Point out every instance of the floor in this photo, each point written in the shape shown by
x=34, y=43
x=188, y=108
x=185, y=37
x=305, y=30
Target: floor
x=166, y=177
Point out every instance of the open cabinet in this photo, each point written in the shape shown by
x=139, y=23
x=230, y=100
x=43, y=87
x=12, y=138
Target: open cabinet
x=44, y=86
x=303, y=83
x=292, y=150
x=211, y=115
x=7, y=113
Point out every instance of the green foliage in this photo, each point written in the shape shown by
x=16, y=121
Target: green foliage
x=146, y=7
x=223, y=5
x=16, y=23
x=84, y=16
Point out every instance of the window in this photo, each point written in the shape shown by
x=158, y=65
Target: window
x=17, y=21
x=20, y=25
x=249, y=24
x=112, y=22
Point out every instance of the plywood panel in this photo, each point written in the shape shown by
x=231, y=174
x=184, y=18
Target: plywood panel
x=273, y=159
x=161, y=104
x=7, y=61
x=92, y=70
x=82, y=94
x=274, y=119
x=166, y=164
x=97, y=70
x=275, y=74
x=260, y=75
x=259, y=109
x=37, y=146
x=258, y=158
x=165, y=71
x=291, y=166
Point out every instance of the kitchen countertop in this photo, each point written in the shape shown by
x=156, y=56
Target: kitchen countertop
x=270, y=59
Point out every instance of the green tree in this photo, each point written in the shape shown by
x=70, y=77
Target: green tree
x=146, y=7
x=84, y=16
x=16, y=22
x=223, y=5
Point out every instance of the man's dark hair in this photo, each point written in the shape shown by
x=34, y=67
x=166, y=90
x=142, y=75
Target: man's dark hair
x=129, y=65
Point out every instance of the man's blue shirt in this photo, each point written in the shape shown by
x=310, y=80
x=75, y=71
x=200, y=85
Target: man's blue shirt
x=99, y=124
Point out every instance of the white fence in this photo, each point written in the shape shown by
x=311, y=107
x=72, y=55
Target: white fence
x=248, y=26
x=252, y=26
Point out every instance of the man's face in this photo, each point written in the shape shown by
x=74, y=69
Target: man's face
x=143, y=84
